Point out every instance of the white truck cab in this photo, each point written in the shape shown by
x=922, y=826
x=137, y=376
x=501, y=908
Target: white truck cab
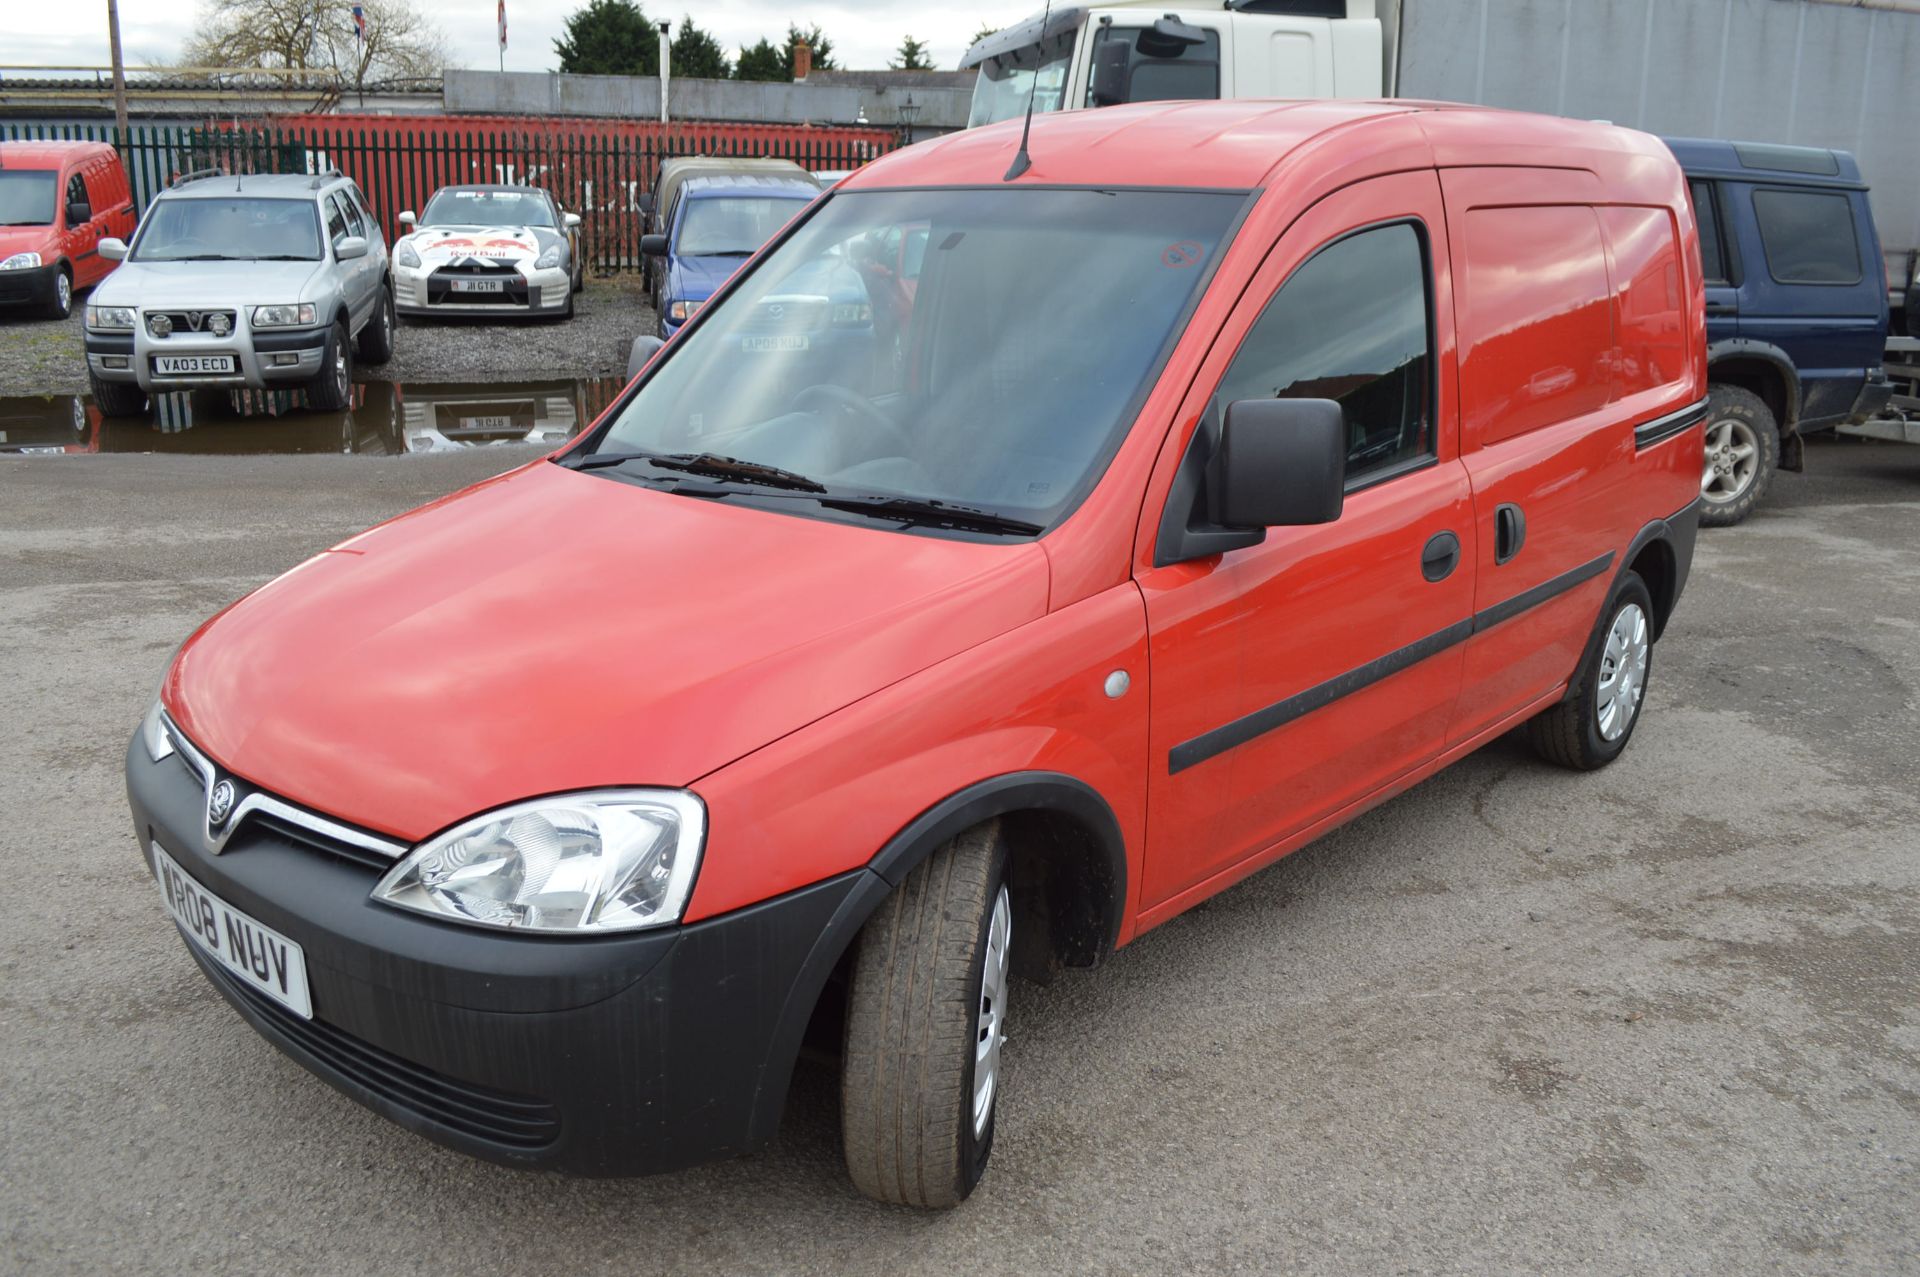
x=1149, y=50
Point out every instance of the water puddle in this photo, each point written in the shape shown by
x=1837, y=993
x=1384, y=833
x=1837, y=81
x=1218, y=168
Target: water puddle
x=387, y=419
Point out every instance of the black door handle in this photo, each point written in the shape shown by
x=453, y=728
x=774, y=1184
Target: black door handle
x=1722, y=308
x=1509, y=532
x=1440, y=557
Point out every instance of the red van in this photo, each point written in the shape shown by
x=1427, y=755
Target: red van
x=1239, y=466
x=58, y=200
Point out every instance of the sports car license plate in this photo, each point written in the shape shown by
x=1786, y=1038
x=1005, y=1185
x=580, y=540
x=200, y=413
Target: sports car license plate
x=256, y=954
x=191, y=365
x=794, y=342
x=479, y=285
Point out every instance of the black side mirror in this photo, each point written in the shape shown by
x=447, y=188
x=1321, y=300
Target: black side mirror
x=653, y=245
x=644, y=349
x=1281, y=462
x=79, y=213
x=1112, y=62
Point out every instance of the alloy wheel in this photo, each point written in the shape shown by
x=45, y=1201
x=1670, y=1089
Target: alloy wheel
x=1623, y=672
x=991, y=1028
x=1732, y=461
x=63, y=291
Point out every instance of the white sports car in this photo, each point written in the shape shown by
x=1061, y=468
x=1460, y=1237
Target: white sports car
x=488, y=250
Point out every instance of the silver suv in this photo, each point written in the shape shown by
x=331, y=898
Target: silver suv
x=270, y=281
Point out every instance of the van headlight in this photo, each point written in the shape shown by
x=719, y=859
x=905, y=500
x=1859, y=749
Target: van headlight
x=21, y=261
x=153, y=731
x=579, y=864
x=283, y=316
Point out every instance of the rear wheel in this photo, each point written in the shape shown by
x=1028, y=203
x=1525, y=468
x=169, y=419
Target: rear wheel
x=332, y=390
x=1743, y=449
x=1590, y=728
x=117, y=398
x=926, y=1019
x=376, y=339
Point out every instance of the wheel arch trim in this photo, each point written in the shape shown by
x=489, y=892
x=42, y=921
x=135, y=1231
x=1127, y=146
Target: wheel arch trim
x=1731, y=348
x=1053, y=792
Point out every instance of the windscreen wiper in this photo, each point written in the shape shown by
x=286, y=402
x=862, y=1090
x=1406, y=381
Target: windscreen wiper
x=707, y=465
x=713, y=466
x=935, y=514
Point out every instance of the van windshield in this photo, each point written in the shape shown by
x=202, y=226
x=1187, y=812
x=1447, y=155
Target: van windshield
x=232, y=228
x=26, y=197
x=733, y=225
x=984, y=349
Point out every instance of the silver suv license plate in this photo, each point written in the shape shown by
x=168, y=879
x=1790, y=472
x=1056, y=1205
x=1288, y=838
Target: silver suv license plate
x=191, y=365
x=256, y=954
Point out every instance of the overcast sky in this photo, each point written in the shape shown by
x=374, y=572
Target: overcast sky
x=865, y=33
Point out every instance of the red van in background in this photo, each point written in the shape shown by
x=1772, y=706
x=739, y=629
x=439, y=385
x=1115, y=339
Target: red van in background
x=58, y=200
x=1238, y=465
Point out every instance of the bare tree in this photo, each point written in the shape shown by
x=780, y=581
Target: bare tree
x=312, y=35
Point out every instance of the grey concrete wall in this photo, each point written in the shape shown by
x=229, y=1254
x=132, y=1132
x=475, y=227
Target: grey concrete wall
x=634, y=96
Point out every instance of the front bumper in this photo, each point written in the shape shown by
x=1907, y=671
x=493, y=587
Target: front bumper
x=263, y=359
x=536, y=292
x=30, y=287
x=599, y=1056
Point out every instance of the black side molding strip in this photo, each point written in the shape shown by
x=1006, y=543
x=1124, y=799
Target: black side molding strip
x=1507, y=609
x=1199, y=749
x=1660, y=429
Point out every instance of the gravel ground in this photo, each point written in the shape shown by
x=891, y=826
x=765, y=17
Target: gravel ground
x=45, y=356
x=1658, y=1019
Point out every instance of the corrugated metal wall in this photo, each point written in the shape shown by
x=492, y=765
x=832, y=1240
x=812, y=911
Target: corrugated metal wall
x=1811, y=74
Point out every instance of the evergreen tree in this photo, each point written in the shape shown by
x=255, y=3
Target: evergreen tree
x=609, y=37
x=822, y=48
x=763, y=61
x=912, y=56
x=697, y=54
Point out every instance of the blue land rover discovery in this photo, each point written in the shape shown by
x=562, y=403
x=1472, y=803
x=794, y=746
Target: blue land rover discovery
x=1796, y=308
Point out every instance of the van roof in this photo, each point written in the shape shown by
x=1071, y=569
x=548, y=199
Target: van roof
x=712, y=186
x=1236, y=144
x=1768, y=161
x=47, y=155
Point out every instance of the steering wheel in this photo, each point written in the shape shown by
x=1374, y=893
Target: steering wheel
x=855, y=407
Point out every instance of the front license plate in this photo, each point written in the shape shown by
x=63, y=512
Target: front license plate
x=257, y=954
x=479, y=285
x=773, y=343
x=485, y=423
x=191, y=365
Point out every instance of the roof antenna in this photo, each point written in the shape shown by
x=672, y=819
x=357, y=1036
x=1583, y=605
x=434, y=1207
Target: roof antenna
x=1021, y=162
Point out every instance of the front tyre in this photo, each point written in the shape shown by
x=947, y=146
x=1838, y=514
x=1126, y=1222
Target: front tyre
x=1743, y=450
x=926, y=1018
x=1590, y=728
x=60, y=299
x=117, y=398
x=332, y=390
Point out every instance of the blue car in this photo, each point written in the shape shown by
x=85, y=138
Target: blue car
x=1796, y=308
x=713, y=225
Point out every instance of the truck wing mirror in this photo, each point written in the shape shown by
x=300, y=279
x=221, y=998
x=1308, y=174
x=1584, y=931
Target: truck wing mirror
x=1112, y=61
x=1281, y=462
x=1170, y=30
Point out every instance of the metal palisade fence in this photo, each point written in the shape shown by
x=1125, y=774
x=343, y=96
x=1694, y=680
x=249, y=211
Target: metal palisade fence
x=597, y=168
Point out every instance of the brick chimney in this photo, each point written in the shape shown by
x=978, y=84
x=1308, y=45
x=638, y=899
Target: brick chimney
x=802, y=59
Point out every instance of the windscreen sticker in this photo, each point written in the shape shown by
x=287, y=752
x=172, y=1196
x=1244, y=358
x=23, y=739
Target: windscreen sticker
x=1185, y=253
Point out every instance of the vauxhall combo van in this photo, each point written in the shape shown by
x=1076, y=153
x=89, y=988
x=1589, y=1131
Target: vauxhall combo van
x=1238, y=465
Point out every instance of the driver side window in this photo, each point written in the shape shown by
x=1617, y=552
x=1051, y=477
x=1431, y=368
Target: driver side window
x=1350, y=325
